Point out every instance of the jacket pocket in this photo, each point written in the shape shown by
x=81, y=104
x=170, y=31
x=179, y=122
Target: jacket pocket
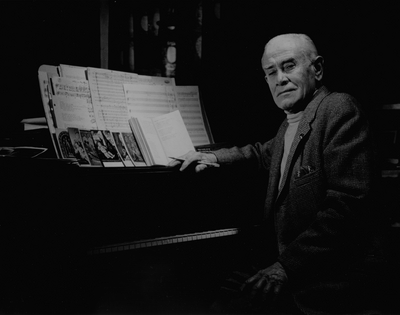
x=307, y=194
x=314, y=175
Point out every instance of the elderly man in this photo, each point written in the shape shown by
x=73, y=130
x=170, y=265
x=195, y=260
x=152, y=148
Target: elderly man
x=320, y=166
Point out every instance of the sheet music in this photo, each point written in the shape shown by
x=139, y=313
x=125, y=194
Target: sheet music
x=108, y=98
x=145, y=79
x=73, y=72
x=71, y=87
x=149, y=100
x=172, y=133
x=157, y=155
x=93, y=99
x=188, y=103
x=47, y=99
x=72, y=103
x=73, y=112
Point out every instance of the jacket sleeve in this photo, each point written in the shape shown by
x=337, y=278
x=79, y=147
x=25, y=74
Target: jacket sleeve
x=257, y=156
x=335, y=234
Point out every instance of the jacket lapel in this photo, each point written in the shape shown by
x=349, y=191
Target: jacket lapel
x=274, y=174
x=275, y=164
x=301, y=133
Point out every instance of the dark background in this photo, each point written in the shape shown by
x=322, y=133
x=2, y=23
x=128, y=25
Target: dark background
x=358, y=41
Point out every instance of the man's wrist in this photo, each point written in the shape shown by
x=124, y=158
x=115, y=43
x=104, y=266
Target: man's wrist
x=289, y=273
x=211, y=156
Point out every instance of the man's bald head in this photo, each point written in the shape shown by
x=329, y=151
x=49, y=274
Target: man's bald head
x=299, y=42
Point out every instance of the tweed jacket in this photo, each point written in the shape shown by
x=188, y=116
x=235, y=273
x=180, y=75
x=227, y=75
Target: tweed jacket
x=320, y=211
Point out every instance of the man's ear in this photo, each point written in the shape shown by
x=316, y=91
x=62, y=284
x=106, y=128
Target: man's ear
x=318, y=65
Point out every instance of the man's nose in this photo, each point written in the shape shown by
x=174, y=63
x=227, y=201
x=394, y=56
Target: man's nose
x=281, y=78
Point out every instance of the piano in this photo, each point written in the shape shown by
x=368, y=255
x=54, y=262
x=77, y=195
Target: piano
x=122, y=240
x=67, y=228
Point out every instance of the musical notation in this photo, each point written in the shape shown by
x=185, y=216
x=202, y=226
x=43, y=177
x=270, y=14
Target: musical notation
x=94, y=98
x=155, y=100
x=108, y=98
x=188, y=103
x=144, y=100
x=113, y=107
x=72, y=103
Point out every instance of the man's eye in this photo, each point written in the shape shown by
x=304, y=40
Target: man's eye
x=289, y=67
x=271, y=73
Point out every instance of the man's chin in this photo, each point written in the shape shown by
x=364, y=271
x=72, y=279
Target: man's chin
x=286, y=106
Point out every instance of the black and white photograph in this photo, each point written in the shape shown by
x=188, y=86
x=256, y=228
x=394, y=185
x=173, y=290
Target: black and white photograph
x=284, y=198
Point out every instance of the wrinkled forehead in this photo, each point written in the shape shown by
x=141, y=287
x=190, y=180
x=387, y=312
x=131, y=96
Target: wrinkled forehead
x=284, y=46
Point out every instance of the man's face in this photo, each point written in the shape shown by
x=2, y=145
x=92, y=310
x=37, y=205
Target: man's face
x=288, y=72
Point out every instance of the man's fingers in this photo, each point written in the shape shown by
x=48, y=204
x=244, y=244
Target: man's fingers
x=248, y=282
x=200, y=167
x=268, y=287
x=198, y=159
x=174, y=163
x=258, y=287
x=189, y=158
x=277, y=288
x=251, y=279
x=187, y=162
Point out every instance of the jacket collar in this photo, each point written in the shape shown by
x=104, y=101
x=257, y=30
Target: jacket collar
x=311, y=109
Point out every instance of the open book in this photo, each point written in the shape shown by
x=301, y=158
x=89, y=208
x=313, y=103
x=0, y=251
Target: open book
x=161, y=138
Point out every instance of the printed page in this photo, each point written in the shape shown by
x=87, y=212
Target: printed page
x=45, y=72
x=108, y=97
x=173, y=134
x=140, y=140
x=146, y=79
x=133, y=148
x=188, y=103
x=90, y=147
x=73, y=112
x=65, y=144
x=45, y=88
x=122, y=149
x=149, y=100
x=77, y=145
x=106, y=151
x=73, y=72
x=153, y=141
x=72, y=104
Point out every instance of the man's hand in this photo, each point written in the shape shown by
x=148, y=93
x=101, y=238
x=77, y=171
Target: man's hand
x=267, y=283
x=203, y=160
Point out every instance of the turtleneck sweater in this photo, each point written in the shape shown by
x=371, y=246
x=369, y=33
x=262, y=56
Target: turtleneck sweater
x=293, y=120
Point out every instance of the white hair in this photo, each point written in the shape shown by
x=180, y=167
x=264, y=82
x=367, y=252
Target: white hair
x=310, y=50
